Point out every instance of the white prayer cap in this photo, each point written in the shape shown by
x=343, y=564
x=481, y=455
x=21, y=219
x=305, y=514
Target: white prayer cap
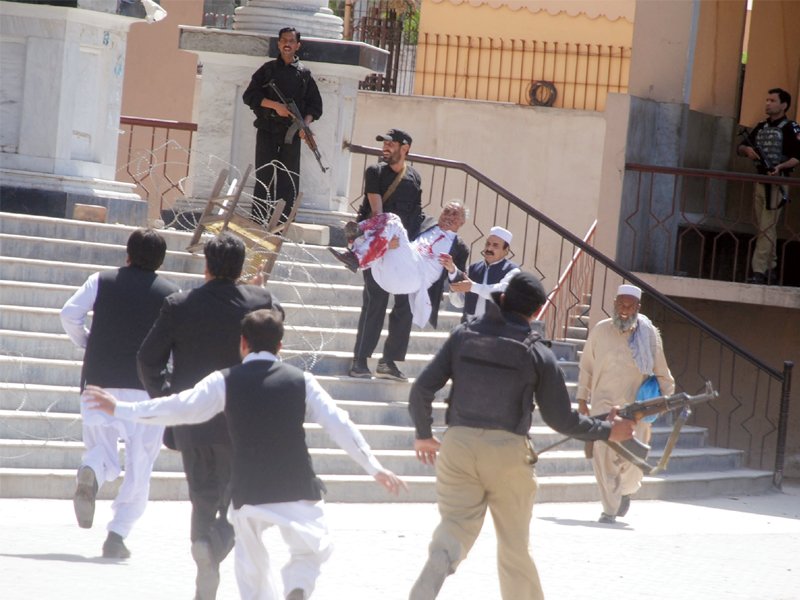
x=502, y=233
x=629, y=290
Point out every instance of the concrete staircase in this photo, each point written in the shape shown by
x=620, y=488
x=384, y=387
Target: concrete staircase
x=43, y=261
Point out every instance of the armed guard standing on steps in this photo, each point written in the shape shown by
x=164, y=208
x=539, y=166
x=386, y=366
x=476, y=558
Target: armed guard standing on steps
x=498, y=366
x=274, y=120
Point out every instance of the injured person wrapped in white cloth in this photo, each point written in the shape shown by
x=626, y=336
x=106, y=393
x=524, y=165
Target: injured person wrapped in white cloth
x=409, y=268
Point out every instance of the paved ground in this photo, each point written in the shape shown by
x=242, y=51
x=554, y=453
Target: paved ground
x=745, y=548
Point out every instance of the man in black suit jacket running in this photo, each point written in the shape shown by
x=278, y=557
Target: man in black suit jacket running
x=200, y=329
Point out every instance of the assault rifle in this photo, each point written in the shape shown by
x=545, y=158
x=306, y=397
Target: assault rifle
x=747, y=140
x=299, y=123
x=635, y=451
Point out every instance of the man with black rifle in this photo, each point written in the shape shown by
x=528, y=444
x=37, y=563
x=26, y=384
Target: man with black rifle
x=274, y=120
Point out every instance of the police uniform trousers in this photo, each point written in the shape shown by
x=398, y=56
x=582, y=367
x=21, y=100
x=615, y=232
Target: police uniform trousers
x=302, y=525
x=764, y=254
x=617, y=477
x=488, y=468
x=101, y=434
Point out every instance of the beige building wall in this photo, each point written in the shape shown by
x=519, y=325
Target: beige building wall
x=590, y=21
x=549, y=158
x=159, y=78
x=495, y=50
x=773, y=56
x=717, y=58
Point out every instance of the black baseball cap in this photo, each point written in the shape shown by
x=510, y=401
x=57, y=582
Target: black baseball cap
x=394, y=135
x=524, y=294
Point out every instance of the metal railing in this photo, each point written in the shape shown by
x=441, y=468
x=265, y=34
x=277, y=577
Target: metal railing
x=751, y=414
x=701, y=223
x=572, y=294
x=154, y=154
x=560, y=74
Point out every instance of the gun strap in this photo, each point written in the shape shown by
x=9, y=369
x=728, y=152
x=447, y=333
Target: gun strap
x=393, y=186
x=630, y=457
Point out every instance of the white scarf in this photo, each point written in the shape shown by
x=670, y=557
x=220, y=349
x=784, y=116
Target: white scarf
x=643, y=343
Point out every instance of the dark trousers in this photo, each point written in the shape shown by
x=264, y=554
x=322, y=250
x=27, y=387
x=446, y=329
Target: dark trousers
x=208, y=473
x=373, y=311
x=271, y=183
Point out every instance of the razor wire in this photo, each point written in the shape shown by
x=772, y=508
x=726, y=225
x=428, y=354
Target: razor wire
x=41, y=403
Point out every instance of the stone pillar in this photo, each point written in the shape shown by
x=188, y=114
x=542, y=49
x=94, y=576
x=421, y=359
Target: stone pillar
x=225, y=124
x=310, y=17
x=61, y=82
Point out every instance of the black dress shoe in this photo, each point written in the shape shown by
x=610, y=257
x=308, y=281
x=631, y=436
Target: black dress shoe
x=624, y=505
x=348, y=258
x=85, y=494
x=758, y=279
x=388, y=370
x=360, y=370
x=607, y=519
x=114, y=547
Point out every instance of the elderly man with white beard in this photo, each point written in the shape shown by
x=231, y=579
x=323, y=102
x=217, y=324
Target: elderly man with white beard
x=621, y=354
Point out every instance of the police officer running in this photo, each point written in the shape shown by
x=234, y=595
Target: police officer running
x=497, y=366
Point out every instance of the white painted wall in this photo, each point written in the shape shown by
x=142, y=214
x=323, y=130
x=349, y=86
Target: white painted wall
x=550, y=158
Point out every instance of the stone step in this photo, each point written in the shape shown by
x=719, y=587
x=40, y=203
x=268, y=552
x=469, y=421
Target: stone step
x=36, y=454
x=577, y=333
x=38, y=345
x=47, y=295
x=332, y=362
x=73, y=274
x=52, y=371
x=60, y=483
x=60, y=426
x=67, y=230
x=43, y=262
x=329, y=370
x=296, y=339
x=90, y=253
x=340, y=388
x=47, y=320
x=187, y=271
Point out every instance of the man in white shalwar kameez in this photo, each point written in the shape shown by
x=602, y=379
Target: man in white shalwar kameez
x=125, y=302
x=273, y=484
x=619, y=355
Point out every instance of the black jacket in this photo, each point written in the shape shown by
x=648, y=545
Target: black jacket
x=295, y=83
x=201, y=329
x=493, y=388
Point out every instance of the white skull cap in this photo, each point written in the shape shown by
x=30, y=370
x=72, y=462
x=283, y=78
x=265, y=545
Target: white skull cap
x=629, y=290
x=502, y=233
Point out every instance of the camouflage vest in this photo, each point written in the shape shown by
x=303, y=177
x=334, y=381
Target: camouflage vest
x=770, y=139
